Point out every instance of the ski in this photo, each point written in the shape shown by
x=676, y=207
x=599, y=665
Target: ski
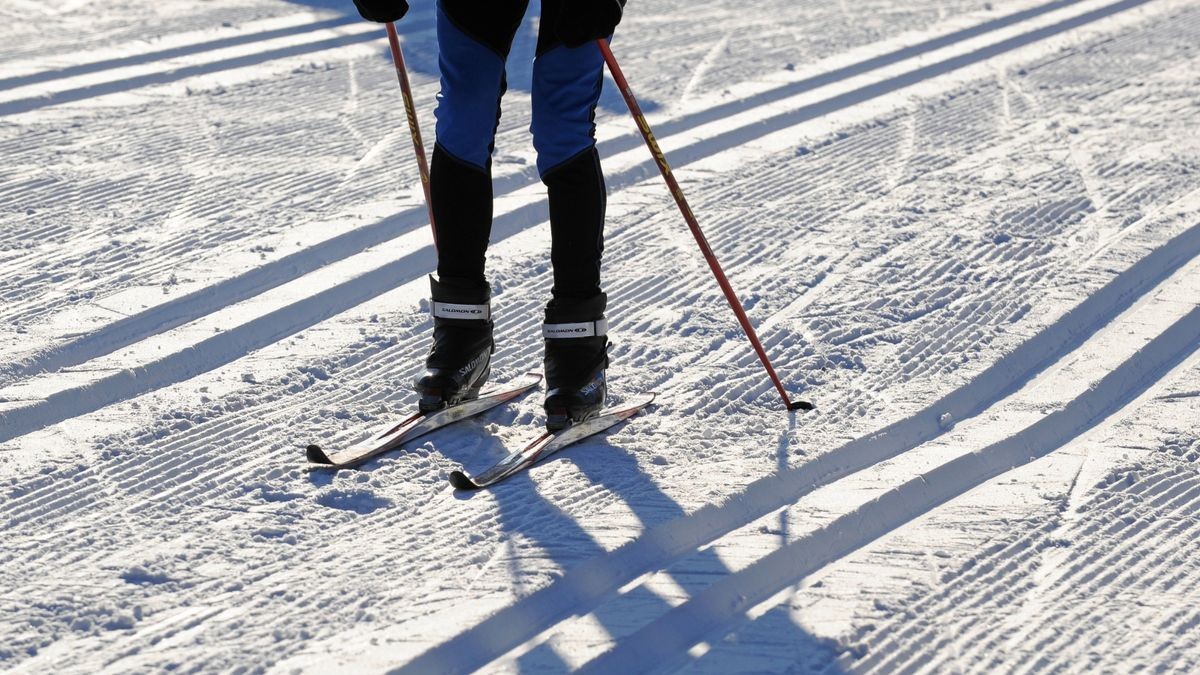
x=420, y=424
x=550, y=443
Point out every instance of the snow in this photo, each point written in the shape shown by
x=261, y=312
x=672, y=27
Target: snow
x=969, y=232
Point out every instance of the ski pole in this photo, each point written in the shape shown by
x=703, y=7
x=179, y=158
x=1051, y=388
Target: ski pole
x=414, y=126
x=693, y=224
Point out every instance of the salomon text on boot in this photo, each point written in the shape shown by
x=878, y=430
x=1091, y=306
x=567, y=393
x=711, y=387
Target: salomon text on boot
x=460, y=360
x=576, y=357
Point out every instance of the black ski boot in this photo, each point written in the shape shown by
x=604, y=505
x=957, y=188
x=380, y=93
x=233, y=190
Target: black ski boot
x=461, y=357
x=576, y=356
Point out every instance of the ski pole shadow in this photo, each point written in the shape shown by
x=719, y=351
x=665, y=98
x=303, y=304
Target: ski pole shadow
x=775, y=629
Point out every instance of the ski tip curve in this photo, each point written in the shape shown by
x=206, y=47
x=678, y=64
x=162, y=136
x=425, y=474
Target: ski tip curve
x=639, y=402
x=526, y=381
x=461, y=481
x=316, y=455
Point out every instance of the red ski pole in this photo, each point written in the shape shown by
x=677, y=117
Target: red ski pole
x=693, y=224
x=413, y=125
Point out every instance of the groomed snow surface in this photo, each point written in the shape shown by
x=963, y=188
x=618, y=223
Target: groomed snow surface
x=968, y=231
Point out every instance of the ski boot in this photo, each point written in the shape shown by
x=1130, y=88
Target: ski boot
x=576, y=356
x=461, y=357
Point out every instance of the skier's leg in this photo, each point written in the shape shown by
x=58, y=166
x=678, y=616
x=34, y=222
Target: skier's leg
x=566, y=89
x=473, y=42
x=474, y=39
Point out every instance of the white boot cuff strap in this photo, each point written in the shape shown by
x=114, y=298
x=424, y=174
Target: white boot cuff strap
x=575, y=330
x=450, y=310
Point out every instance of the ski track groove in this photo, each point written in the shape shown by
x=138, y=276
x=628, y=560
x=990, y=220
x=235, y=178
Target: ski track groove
x=1110, y=561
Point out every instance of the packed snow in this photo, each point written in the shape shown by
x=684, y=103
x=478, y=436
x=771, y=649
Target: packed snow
x=968, y=232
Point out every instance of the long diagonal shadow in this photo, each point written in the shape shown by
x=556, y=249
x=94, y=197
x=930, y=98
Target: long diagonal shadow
x=172, y=52
x=23, y=105
x=521, y=510
x=190, y=307
x=588, y=584
x=671, y=635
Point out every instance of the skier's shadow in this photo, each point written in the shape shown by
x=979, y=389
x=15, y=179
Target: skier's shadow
x=522, y=510
x=419, y=38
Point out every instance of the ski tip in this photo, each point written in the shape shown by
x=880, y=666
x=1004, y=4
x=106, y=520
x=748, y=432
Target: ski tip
x=507, y=391
x=461, y=481
x=800, y=405
x=640, y=402
x=316, y=455
x=525, y=382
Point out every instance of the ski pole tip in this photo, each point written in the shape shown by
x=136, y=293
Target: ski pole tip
x=800, y=405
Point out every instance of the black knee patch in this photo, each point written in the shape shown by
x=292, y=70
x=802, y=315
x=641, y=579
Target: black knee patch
x=492, y=23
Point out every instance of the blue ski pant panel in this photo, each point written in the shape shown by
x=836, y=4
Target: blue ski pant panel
x=473, y=44
x=472, y=83
x=566, y=88
x=474, y=40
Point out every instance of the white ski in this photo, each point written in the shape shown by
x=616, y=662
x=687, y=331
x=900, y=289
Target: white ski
x=420, y=424
x=550, y=443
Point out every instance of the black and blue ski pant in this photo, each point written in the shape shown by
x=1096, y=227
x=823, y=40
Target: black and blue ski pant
x=474, y=39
